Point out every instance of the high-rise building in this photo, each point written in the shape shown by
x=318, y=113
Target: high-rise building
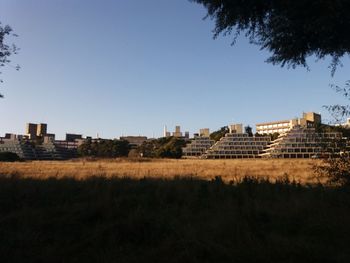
x=177, y=132
x=41, y=129
x=31, y=130
x=236, y=128
x=204, y=132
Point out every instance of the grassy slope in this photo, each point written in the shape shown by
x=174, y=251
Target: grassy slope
x=183, y=220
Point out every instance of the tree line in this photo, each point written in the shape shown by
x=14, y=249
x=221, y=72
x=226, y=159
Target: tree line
x=168, y=147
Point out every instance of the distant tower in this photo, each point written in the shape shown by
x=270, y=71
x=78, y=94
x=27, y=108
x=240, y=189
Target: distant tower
x=236, y=128
x=205, y=132
x=31, y=130
x=177, y=132
x=165, y=131
x=41, y=129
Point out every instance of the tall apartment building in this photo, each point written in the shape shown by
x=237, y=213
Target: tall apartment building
x=205, y=132
x=31, y=130
x=235, y=128
x=177, y=132
x=34, y=130
x=41, y=129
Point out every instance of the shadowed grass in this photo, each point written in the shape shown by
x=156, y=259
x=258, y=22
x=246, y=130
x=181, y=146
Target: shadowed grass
x=180, y=220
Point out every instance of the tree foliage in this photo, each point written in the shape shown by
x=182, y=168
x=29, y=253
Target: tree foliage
x=6, y=50
x=337, y=111
x=291, y=30
x=167, y=147
x=217, y=135
x=248, y=130
x=336, y=167
x=104, y=148
x=335, y=170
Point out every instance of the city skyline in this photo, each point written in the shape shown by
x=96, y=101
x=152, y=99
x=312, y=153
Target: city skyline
x=130, y=67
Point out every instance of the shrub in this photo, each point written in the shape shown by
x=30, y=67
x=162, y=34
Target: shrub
x=8, y=157
x=335, y=169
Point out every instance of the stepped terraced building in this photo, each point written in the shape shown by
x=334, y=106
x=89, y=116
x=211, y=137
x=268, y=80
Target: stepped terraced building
x=302, y=142
x=297, y=138
x=23, y=149
x=238, y=145
x=197, y=147
x=45, y=151
x=37, y=144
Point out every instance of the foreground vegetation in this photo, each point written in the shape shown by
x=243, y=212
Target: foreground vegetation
x=180, y=220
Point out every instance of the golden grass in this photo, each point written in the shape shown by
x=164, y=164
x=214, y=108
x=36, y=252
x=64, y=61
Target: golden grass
x=295, y=169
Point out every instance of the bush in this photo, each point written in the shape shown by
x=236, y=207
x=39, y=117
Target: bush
x=169, y=147
x=8, y=157
x=335, y=169
x=104, y=148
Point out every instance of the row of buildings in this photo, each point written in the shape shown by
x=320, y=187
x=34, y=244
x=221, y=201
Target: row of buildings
x=293, y=138
x=37, y=144
x=297, y=138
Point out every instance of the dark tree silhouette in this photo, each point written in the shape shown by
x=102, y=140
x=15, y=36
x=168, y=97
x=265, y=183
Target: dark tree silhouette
x=248, y=130
x=6, y=50
x=291, y=30
x=337, y=111
x=217, y=135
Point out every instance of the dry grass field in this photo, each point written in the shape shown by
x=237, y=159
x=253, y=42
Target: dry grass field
x=300, y=170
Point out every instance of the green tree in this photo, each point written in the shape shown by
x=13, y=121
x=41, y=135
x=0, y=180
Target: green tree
x=6, y=50
x=104, y=148
x=274, y=136
x=172, y=149
x=148, y=148
x=167, y=147
x=291, y=30
x=336, y=168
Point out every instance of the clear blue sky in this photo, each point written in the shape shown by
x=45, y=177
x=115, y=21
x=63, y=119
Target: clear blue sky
x=128, y=67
